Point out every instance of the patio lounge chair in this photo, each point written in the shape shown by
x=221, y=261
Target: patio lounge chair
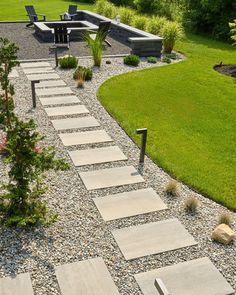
x=61, y=35
x=103, y=29
x=71, y=14
x=33, y=16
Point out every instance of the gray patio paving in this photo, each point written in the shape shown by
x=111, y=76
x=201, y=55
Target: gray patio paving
x=97, y=155
x=86, y=137
x=129, y=204
x=66, y=110
x=152, y=238
x=18, y=285
x=110, y=177
x=88, y=277
x=195, y=277
x=75, y=123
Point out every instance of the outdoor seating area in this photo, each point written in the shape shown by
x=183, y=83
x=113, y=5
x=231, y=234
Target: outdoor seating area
x=85, y=209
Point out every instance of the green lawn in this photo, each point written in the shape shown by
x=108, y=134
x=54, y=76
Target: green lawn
x=190, y=112
x=15, y=9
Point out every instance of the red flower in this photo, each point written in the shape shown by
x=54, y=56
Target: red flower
x=38, y=149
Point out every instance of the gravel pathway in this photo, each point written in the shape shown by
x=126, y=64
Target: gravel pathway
x=80, y=233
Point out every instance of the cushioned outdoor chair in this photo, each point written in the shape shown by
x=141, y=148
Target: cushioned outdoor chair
x=103, y=30
x=71, y=14
x=61, y=35
x=33, y=16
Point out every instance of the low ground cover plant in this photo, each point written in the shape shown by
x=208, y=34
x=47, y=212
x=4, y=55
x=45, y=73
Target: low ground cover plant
x=132, y=60
x=68, y=62
x=166, y=59
x=152, y=60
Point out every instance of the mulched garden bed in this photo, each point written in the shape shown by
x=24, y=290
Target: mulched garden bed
x=229, y=70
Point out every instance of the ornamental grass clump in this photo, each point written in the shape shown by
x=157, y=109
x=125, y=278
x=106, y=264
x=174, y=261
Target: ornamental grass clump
x=96, y=46
x=191, y=204
x=140, y=22
x=126, y=15
x=233, y=30
x=225, y=218
x=26, y=159
x=68, y=62
x=155, y=25
x=88, y=73
x=171, y=32
x=172, y=188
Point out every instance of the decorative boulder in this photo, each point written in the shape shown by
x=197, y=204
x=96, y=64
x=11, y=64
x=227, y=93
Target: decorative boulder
x=223, y=234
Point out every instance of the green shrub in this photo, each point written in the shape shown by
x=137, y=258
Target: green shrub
x=140, y=22
x=87, y=72
x=233, y=30
x=68, y=62
x=171, y=55
x=171, y=32
x=152, y=60
x=156, y=24
x=132, y=60
x=126, y=15
x=166, y=59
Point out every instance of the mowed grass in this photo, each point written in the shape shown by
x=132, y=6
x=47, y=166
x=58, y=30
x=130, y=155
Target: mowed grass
x=190, y=112
x=15, y=9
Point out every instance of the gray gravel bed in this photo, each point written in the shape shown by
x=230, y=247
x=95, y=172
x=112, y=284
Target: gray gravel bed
x=80, y=233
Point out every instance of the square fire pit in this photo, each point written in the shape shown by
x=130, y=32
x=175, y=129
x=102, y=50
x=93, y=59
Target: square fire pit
x=45, y=30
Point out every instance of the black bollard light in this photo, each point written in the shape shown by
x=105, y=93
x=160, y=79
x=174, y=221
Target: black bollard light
x=143, y=132
x=56, y=56
x=33, y=82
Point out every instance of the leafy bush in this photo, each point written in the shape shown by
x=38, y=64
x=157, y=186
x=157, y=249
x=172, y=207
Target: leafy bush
x=68, y=62
x=171, y=32
x=126, y=15
x=225, y=218
x=132, y=60
x=87, y=72
x=171, y=55
x=191, y=204
x=140, y=22
x=166, y=59
x=155, y=25
x=172, y=188
x=233, y=30
x=152, y=60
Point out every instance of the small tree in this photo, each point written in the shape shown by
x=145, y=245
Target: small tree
x=8, y=60
x=21, y=198
x=233, y=31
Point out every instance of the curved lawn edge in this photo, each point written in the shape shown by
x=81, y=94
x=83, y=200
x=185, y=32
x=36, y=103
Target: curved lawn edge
x=123, y=97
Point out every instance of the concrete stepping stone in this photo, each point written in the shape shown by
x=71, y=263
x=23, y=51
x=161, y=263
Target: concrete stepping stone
x=152, y=238
x=38, y=70
x=46, y=76
x=53, y=91
x=195, y=277
x=13, y=74
x=110, y=177
x=75, y=123
x=42, y=64
x=49, y=83
x=87, y=137
x=66, y=110
x=97, y=155
x=20, y=285
x=55, y=100
x=129, y=204
x=88, y=277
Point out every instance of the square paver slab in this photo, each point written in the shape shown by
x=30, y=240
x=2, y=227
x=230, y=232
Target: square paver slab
x=152, y=238
x=46, y=76
x=129, y=204
x=97, y=155
x=88, y=277
x=54, y=91
x=26, y=65
x=75, y=123
x=67, y=110
x=56, y=100
x=87, y=137
x=195, y=277
x=50, y=83
x=110, y=177
x=20, y=285
x=38, y=70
